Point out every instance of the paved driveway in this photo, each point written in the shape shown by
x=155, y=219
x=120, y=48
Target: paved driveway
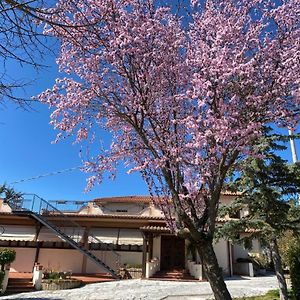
x=154, y=290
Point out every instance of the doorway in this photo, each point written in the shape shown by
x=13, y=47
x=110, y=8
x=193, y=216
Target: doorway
x=172, y=253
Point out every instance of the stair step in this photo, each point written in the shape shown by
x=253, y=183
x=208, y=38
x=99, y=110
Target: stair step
x=28, y=283
x=20, y=288
x=173, y=275
x=18, y=291
x=19, y=284
x=19, y=279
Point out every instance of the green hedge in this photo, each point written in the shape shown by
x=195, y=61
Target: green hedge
x=294, y=266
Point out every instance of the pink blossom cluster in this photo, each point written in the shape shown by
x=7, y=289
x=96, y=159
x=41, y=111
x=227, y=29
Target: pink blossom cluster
x=183, y=103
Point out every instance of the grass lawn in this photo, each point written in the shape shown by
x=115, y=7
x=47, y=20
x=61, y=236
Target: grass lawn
x=271, y=295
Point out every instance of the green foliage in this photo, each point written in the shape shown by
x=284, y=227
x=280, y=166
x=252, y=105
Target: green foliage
x=11, y=196
x=294, y=266
x=53, y=275
x=7, y=256
x=261, y=260
x=285, y=242
x=2, y=274
x=268, y=188
x=50, y=274
x=271, y=295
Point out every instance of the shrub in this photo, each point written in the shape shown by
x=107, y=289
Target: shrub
x=50, y=274
x=294, y=266
x=7, y=256
x=261, y=260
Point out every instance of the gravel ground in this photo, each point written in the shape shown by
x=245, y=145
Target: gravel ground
x=154, y=290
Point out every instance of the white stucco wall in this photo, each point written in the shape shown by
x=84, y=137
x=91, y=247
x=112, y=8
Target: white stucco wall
x=221, y=250
x=61, y=259
x=69, y=260
x=4, y=207
x=133, y=258
x=129, y=208
x=226, y=199
x=24, y=259
x=156, y=246
x=239, y=251
x=256, y=248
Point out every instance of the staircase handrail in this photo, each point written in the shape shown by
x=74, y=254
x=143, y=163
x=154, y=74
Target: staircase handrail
x=66, y=217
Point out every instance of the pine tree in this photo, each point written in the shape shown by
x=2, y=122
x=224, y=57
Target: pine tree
x=268, y=188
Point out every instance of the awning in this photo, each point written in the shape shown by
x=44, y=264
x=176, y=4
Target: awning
x=17, y=233
x=50, y=236
x=130, y=237
x=104, y=235
x=116, y=236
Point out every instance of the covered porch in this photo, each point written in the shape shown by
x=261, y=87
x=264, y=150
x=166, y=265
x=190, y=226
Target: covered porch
x=165, y=253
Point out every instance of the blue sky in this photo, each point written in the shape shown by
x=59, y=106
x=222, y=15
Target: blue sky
x=27, y=150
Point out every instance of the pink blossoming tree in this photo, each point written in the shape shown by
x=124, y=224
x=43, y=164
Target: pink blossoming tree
x=184, y=102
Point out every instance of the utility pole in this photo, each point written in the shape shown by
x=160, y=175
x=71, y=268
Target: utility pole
x=293, y=146
x=294, y=152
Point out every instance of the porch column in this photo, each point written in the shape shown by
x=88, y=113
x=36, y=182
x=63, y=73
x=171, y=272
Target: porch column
x=85, y=241
x=145, y=244
x=37, y=252
x=230, y=258
x=38, y=227
x=150, y=247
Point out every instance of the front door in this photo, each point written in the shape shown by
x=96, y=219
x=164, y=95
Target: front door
x=172, y=252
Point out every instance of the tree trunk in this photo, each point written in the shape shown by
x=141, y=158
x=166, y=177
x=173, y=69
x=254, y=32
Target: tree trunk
x=279, y=270
x=212, y=270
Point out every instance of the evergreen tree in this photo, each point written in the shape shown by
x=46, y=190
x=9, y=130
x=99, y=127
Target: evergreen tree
x=268, y=189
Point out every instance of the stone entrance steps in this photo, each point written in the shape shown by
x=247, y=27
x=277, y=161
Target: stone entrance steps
x=19, y=285
x=174, y=275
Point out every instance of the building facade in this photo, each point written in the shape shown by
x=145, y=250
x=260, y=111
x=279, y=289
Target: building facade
x=119, y=231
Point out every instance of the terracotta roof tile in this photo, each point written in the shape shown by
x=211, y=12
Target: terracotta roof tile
x=155, y=229
x=108, y=216
x=135, y=199
x=143, y=199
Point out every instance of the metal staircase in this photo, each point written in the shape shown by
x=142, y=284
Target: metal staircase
x=63, y=226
